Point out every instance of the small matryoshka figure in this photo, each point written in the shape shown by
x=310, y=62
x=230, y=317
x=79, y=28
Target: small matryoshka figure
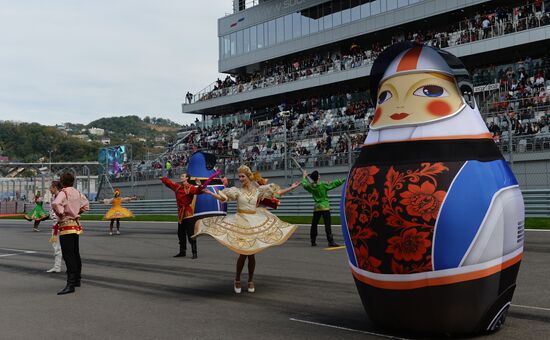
x=200, y=168
x=433, y=215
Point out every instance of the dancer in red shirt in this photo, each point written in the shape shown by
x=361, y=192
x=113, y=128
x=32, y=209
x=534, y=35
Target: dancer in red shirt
x=185, y=195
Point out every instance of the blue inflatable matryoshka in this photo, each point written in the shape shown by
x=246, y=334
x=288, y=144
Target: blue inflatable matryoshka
x=433, y=217
x=201, y=167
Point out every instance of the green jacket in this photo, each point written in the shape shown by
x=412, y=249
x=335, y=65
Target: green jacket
x=320, y=192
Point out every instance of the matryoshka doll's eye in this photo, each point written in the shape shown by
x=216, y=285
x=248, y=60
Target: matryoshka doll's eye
x=432, y=91
x=384, y=96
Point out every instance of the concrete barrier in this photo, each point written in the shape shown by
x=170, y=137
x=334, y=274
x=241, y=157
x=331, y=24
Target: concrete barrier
x=537, y=204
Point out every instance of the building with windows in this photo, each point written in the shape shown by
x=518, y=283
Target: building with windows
x=96, y=131
x=313, y=58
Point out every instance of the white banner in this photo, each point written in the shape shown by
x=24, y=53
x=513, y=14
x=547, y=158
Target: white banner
x=235, y=144
x=485, y=88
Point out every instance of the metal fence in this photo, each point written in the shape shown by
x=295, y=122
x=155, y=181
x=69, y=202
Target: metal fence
x=537, y=204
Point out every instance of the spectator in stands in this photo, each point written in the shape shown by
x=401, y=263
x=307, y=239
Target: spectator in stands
x=168, y=167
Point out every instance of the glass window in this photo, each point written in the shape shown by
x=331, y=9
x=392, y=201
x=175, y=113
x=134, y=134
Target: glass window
x=314, y=19
x=272, y=31
x=346, y=16
x=260, y=35
x=266, y=32
x=337, y=13
x=327, y=16
x=246, y=40
x=355, y=10
x=297, y=25
x=383, y=7
x=305, y=23
x=288, y=27
x=227, y=46
x=280, y=30
x=391, y=4
x=240, y=42
x=253, y=40
x=375, y=7
x=365, y=10
x=402, y=3
x=233, y=43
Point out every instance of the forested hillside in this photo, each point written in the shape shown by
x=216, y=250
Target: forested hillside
x=29, y=142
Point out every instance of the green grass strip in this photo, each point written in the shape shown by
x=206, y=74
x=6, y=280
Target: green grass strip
x=537, y=223
x=530, y=222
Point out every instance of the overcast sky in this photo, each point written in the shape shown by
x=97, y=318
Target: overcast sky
x=79, y=60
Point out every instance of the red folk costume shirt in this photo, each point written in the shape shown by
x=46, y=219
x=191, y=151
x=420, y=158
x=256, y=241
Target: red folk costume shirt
x=68, y=204
x=185, y=193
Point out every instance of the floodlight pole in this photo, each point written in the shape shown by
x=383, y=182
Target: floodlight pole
x=50, y=152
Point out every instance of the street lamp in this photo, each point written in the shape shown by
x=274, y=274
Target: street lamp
x=284, y=115
x=50, y=152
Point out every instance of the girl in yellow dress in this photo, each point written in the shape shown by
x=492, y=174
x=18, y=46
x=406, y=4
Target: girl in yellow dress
x=117, y=211
x=252, y=228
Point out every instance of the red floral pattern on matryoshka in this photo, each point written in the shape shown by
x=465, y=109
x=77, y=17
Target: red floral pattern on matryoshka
x=422, y=200
x=391, y=212
x=411, y=245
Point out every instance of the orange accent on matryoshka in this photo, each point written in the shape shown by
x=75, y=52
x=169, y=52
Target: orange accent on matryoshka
x=410, y=59
x=439, y=108
x=377, y=115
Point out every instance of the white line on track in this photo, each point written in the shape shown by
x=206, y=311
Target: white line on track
x=347, y=329
x=19, y=252
x=532, y=307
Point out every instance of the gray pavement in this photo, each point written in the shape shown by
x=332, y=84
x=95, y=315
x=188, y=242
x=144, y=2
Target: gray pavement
x=133, y=289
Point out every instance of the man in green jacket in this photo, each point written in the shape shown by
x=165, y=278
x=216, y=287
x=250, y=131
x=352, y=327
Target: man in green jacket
x=319, y=190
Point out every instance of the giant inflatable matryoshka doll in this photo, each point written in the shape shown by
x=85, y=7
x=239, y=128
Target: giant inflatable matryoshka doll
x=433, y=215
x=201, y=167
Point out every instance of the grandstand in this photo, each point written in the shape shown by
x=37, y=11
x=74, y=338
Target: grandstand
x=311, y=60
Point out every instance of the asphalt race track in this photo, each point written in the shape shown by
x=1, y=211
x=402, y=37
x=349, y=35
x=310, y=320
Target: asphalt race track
x=132, y=288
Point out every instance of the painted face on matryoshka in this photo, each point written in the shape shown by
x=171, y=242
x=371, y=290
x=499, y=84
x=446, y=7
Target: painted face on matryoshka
x=416, y=98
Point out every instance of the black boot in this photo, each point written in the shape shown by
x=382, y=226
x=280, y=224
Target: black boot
x=69, y=288
x=330, y=238
x=181, y=253
x=194, y=256
x=194, y=249
x=77, y=281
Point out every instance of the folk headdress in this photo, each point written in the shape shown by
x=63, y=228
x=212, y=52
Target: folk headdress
x=253, y=176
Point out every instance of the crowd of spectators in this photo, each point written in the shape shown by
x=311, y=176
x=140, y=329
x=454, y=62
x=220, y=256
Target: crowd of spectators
x=483, y=25
x=519, y=112
x=284, y=72
x=522, y=85
x=321, y=130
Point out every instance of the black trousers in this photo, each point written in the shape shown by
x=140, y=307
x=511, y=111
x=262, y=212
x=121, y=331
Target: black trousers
x=71, y=255
x=186, y=229
x=326, y=219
